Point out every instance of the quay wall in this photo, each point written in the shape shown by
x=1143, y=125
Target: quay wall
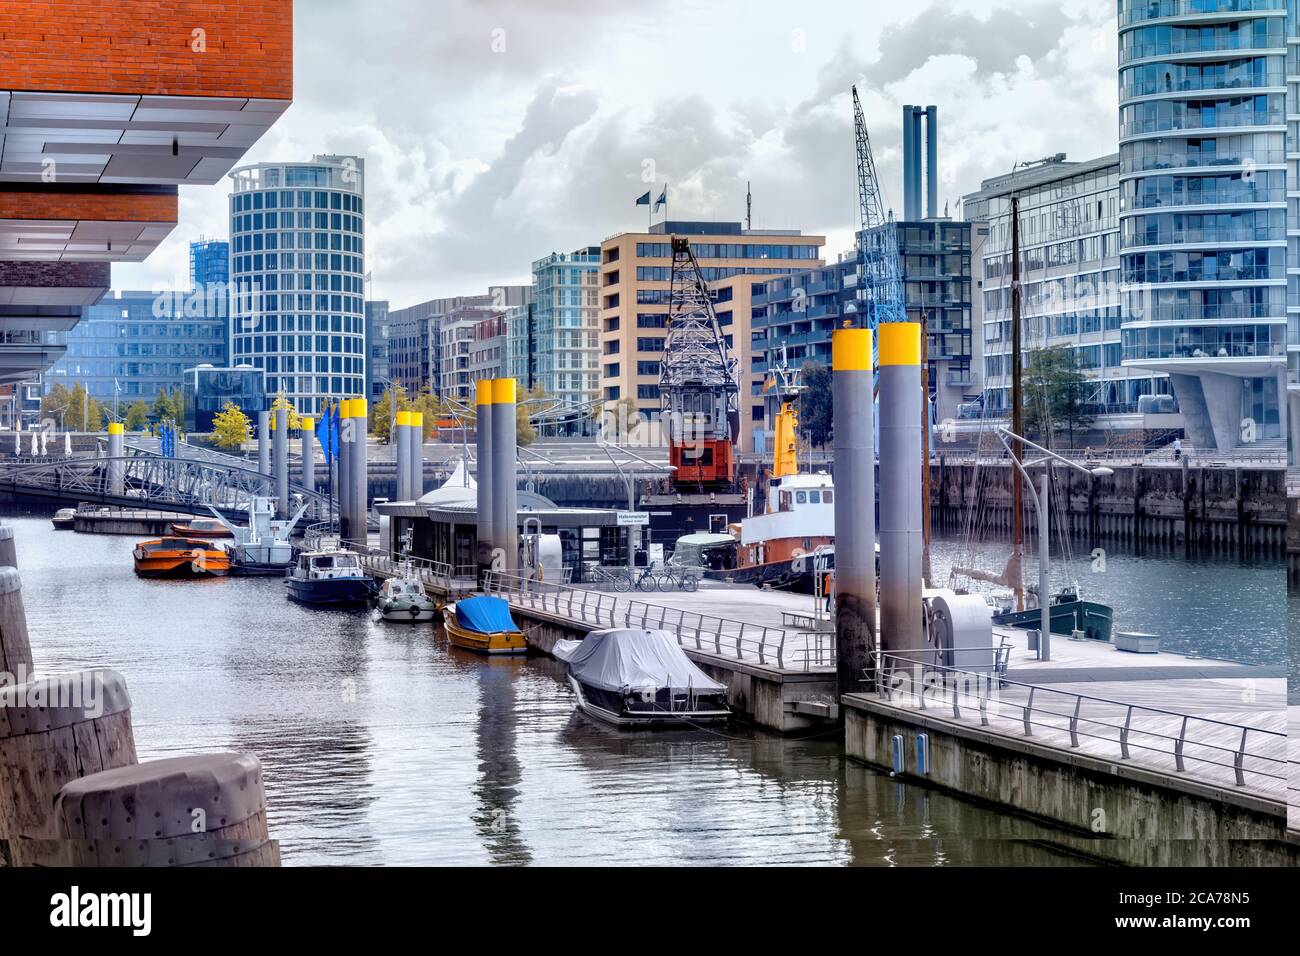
x=1106, y=809
x=1293, y=543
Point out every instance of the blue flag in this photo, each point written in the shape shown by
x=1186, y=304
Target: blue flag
x=644, y=200
x=322, y=435
x=662, y=200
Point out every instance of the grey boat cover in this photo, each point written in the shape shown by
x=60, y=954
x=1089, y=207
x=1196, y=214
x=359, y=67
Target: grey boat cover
x=622, y=659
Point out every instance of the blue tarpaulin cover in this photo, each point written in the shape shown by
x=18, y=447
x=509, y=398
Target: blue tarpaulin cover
x=485, y=614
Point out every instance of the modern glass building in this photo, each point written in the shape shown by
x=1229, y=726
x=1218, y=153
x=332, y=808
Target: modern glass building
x=208, y=389
x=297, y=262
x=566, y=325
x=378, y=374
x=209, y=263
x=1203, y=207
x=1293, y=224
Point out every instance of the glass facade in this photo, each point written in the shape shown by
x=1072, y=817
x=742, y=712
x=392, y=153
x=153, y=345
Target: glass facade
x=566, y=325
x=297, y=266
x=207, y=390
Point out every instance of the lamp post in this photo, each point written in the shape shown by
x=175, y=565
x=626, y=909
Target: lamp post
x=1040, y=500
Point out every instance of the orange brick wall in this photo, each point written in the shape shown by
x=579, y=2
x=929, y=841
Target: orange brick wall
x=145, y=47
x=115, y=206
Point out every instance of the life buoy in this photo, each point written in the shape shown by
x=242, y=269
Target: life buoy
x=413, y=610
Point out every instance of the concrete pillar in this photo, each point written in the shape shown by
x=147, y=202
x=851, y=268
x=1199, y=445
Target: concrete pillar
x=264, y=443
x=15, y=647
x=483, y=473
x=342, y=468
x=358, y=494
x=8, y=553
x=855, y=505
x=280, y=461
x=415, y=449
x=401, y=439
x=116, y=449
x=901, y=536
x=308, y=442
x=505, y=495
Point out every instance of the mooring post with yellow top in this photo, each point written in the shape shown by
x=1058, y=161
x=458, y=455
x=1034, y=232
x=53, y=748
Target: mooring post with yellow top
x=505, y=496
x=264, y=443
x=415, y=454
x=307, y=433
x=483, y=472
x=358, y=468
x=116, y=450
x=280, y=462
x=400, y=438
x=902, y=539
x=855, y=506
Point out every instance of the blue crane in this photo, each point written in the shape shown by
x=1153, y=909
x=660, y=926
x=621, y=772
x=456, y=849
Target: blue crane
x=882, y=284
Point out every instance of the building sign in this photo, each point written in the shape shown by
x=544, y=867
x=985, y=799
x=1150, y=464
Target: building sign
x=632, y=519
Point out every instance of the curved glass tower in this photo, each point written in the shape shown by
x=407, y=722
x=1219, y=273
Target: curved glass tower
x=297, y=268
x=1203, y=209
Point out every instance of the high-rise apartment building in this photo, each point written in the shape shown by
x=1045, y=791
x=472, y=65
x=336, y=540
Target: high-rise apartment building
x=565, y=329
x=297, y=254
x=378, y=373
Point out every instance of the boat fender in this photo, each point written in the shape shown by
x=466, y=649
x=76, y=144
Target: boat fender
x=413, y=610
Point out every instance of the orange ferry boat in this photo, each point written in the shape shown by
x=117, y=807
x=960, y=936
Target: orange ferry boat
x=179, y=558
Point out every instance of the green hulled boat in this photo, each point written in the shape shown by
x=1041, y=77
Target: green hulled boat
x=1069, y=614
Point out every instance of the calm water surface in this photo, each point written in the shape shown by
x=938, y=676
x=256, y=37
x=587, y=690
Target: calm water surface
x=383, y=745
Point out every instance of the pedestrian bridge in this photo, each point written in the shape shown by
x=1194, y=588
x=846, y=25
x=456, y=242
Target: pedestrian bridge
x=187, y=485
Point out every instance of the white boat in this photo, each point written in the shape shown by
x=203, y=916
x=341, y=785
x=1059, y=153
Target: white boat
x=263, y=547
x=404, y=599
x=65, y=519
x=631, y=677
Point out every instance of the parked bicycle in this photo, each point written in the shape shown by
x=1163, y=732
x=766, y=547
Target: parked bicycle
x=671, y=579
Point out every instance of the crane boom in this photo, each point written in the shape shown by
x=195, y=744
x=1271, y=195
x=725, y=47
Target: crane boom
x=882, y=284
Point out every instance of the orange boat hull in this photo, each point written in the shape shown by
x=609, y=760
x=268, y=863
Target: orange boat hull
x=198, y=560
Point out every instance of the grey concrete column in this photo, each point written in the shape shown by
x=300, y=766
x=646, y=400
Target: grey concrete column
x=359, y=497
x=855, y=505
x=280, y=461
x=263, y=443
x=901, y=536
x=8, y=552
x=483, y=471
x=342, y=468
x=308, y=433
x=505, y=495
x=415, y=450
x=116, y=449
x=401, y=438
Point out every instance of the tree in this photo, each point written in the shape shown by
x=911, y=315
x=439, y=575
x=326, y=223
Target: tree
x=231, y=427
x=137, y=416
x=1056, y=393
x=382, y=412
x=525, y=402
x=54, y=404
x=83, y=411
x=169, y=406
x=281, y=402
x=815, y=405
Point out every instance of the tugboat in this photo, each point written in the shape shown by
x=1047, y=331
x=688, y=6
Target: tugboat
x=483, y=624
x=179, y=558
x=640, y=678
x=329, y=576
x=404, y=599
x=65, y=519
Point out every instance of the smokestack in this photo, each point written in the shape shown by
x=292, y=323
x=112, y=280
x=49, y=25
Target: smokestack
x=280, y=461
x=932, y=161
x=901, y=538
x=116, y=449
x=307, y=429
x=263, y=443
x=483, y=473
x=909, y=159
x=855, y=506
x=505, y=495
x=415, y=452
x=402, y=439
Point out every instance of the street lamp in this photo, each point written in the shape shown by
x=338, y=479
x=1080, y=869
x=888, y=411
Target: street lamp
x=1039, y=497
x=630, y=483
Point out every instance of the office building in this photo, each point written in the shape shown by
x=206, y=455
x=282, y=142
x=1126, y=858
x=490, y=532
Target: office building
x=378, y=372
x=208, y=389
x=635, y=279
x=297, y=255
x=565, y=330
x=209, y=263
x=469, y=346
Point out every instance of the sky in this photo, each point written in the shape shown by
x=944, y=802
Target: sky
x=498, y=131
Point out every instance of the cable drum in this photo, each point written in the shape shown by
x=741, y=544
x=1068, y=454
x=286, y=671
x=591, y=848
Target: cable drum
x=961, y=626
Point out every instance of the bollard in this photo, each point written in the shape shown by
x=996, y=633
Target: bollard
x=415, y=449
x=15, y=648
x=342, y=482
x=483, y=473
x=280, y=461
x=54, y=731
x=401, y=460
x=264, y=443
x=307, y=430
x=358, y=494
x=202, y=810
x=505, y=495
x=8, y=553
x=855, y=506
x=116, y=450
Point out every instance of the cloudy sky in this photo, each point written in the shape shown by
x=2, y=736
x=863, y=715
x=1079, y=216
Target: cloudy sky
x=498, y=131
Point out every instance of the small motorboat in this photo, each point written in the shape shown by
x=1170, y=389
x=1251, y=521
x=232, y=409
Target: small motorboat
x=179, y=558
x=631, y=677
x=329, y=576
x=403, y=598
x=201, y=528
x=65, y=519
x=483, y=624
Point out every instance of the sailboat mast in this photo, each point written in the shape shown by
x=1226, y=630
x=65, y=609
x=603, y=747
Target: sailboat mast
x=1017, y=411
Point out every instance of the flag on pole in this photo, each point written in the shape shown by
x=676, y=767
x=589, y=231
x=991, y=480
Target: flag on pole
x=323, y=429
x=644, y=200
x=663, y=198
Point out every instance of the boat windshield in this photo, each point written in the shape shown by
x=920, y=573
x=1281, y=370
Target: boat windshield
x=335, y=561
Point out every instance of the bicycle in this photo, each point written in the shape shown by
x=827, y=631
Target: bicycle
x=645, y=581
x=682, y=580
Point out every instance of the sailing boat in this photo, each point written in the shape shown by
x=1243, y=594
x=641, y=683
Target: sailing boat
x=1068, y=611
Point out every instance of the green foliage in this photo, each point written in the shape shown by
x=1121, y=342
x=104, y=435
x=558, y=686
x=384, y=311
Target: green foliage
x=169, y=406
x=231, y=427
x=1056, y=392
x=137, y=416
x=815, y=407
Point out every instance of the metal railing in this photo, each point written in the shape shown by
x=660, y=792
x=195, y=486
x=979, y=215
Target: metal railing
x=441, y=575
x=1048, y=708
x=709, y=633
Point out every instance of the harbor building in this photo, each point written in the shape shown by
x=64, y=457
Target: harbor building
x=635, y=274
x=1203, y=231
x=297, y=254
x=565, y=340
x=378, y=373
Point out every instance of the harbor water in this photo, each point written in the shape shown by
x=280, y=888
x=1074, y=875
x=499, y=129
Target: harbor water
x=383, y=745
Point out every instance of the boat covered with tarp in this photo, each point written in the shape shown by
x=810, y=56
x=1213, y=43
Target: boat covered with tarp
x=639, y=677
x=483, y=624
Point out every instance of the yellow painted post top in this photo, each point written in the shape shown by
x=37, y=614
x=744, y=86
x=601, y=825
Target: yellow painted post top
x=359, y=408
x=403, y=418
x=115, y=428
x=417, y=419
x=900, y=343
x=483, y=392
x=503, y=391
x=306, y=423
x=345, y=408
x=851, y=350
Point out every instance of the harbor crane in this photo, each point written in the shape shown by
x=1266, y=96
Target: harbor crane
x=698, y=392
x=881, y=290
